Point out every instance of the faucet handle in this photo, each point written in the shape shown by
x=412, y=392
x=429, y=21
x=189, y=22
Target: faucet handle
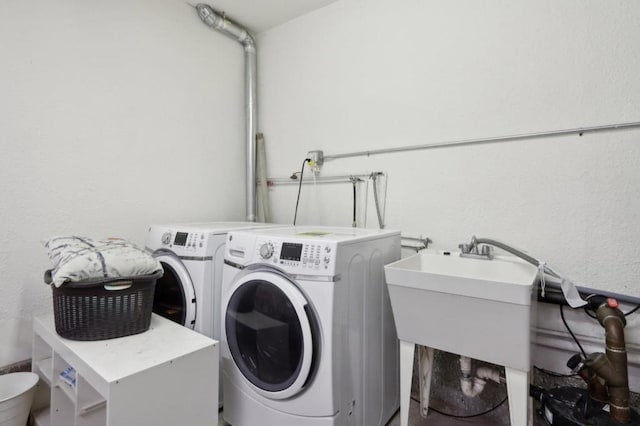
x=465, y=248
x=476, y=250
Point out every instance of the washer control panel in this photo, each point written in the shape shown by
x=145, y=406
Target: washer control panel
x=188, y=240
x=180, y=242
x=297, y=256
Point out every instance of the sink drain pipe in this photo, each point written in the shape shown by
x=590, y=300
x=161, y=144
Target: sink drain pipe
x=221, y=23
x=473, y=386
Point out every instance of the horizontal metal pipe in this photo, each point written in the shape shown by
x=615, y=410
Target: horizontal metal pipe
x=320, y=179
x=222, y=23
x=424, y=240
x=495, y=139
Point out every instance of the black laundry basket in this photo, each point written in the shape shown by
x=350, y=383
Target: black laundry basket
x=104, y=309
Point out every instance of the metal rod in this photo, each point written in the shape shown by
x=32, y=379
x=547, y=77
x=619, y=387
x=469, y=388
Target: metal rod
x=424, y=242
x=321, y=179
x=495, y=139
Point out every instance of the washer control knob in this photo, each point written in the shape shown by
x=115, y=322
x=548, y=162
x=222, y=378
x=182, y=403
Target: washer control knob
x=327, y=259
x=166, y=238
x=266, y=250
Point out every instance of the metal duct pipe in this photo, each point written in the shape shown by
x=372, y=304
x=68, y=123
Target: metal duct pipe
x=612, y=367
x=232, y=30
x=597, y=390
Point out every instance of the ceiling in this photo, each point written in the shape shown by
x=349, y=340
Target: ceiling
x=260, y=15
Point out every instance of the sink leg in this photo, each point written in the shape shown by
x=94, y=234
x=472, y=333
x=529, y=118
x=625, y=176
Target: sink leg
x=520, y=412
x=426, y=366
x=406, y=372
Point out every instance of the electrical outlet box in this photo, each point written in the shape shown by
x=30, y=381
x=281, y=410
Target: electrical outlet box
x=316, y=156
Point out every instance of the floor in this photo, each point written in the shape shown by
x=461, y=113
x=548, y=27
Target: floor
x=498, y=417
x=446, y=396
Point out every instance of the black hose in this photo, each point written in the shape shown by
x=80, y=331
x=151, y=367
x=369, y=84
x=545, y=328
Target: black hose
x=295, y=215
x=354, y=204
x=575, y=339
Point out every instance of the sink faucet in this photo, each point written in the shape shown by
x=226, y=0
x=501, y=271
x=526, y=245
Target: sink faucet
x=475, y=250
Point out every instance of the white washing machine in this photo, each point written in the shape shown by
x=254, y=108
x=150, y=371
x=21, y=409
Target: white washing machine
x=192, y=256
x=308, y=336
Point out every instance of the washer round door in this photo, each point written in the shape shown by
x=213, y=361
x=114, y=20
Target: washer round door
x=270, y=333
x=174, y=296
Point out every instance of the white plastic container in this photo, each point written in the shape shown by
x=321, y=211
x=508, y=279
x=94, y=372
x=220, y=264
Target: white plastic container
x=16, y=396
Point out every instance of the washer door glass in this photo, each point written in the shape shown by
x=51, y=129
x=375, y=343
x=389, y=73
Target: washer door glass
x=269, y=334
x=174, y=297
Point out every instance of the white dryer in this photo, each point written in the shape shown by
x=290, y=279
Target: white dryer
x=191, y=255
x=308, y=336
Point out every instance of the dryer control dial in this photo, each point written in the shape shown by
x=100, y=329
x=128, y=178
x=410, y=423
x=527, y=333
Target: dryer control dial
x=166, y=238
x=266, y=250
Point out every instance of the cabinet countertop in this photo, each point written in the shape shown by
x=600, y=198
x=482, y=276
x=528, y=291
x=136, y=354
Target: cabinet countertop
x=115, y=359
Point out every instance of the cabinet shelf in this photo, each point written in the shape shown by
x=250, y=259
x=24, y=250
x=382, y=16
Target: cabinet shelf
x=120, y=381
x=44, y=369
x=83, y=411
x=67, y=389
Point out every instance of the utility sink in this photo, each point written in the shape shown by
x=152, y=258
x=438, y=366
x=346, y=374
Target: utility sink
x=476, y=307
x=479, y=308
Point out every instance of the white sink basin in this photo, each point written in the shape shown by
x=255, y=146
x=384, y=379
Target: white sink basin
x=504, y=278
x=475, y=307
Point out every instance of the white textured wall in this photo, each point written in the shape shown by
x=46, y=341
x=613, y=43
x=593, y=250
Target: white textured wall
x=370, y=74
x=360, y=75
x=113, y=115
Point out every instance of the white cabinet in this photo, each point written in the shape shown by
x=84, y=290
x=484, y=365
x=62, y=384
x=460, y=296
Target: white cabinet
x=167, y=375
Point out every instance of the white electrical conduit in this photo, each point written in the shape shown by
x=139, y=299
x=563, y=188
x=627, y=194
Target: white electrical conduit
x=261, y=167
x=234, y=31
x=473, y=386
x=580, y=131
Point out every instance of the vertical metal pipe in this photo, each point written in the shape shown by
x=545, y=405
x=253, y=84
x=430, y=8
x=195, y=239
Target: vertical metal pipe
x=251, y=107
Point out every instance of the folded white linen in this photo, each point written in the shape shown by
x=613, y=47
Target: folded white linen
x=81, y=259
